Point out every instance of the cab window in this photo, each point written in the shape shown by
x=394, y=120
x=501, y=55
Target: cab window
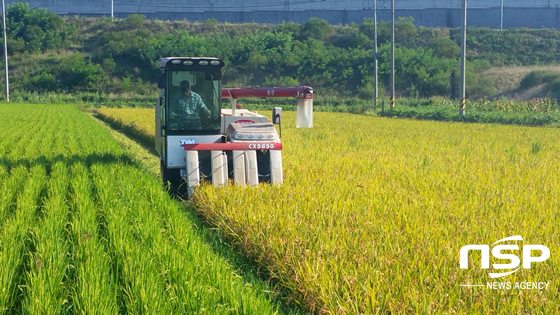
x=193, y=101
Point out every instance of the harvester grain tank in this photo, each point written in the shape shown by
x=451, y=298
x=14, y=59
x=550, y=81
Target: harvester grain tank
x=197, y=140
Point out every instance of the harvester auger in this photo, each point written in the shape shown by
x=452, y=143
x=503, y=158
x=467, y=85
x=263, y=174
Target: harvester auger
x=197, y=140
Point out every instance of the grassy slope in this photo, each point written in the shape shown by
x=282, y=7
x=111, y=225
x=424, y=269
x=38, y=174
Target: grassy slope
x=506, y=81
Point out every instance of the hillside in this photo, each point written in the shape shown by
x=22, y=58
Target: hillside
x=99, y=59
x=506, y=82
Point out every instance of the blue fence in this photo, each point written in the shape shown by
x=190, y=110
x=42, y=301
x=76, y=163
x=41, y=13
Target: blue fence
x=513, y=17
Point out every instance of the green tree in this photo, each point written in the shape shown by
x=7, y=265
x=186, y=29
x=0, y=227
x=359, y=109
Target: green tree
x=418, y=73
x=444, y=47
x=405, y=30
x=77, y=73
x=210, y=25
x=134, y=21
x=39, y=29
x=290, y=28
x=317, y=29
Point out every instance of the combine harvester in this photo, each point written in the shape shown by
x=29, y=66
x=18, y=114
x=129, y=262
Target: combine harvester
x=197, y=140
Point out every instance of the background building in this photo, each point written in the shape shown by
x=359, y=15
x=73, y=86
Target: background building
x=443, y=13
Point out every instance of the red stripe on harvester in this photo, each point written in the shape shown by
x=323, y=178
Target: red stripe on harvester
x=234, y=146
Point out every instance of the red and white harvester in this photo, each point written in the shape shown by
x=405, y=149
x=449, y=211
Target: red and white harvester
x=209, y=143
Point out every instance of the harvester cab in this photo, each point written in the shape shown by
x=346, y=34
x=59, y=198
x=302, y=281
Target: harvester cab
x=198, y=141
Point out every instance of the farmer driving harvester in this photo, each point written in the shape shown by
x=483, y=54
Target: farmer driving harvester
x=188, y=108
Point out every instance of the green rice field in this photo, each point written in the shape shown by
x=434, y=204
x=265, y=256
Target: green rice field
x=85, y=230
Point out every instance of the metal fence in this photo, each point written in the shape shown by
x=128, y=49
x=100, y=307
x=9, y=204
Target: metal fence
x=432, y=13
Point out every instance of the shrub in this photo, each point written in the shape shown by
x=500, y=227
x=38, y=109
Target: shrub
x=316, y=28
x=210, y=25
x=444, y=47
x=134, y=21
x=538, y=77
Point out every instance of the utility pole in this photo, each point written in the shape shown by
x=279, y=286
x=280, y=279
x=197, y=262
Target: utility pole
x=5, y=54
x=502, y=17
x=463, y=59
x=392, y=54
x=376, y=83
x=112, y=11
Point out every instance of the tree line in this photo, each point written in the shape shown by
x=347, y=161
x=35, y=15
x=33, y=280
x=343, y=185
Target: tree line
x=75, y=54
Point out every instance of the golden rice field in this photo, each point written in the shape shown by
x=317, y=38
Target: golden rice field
x=374, y=211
